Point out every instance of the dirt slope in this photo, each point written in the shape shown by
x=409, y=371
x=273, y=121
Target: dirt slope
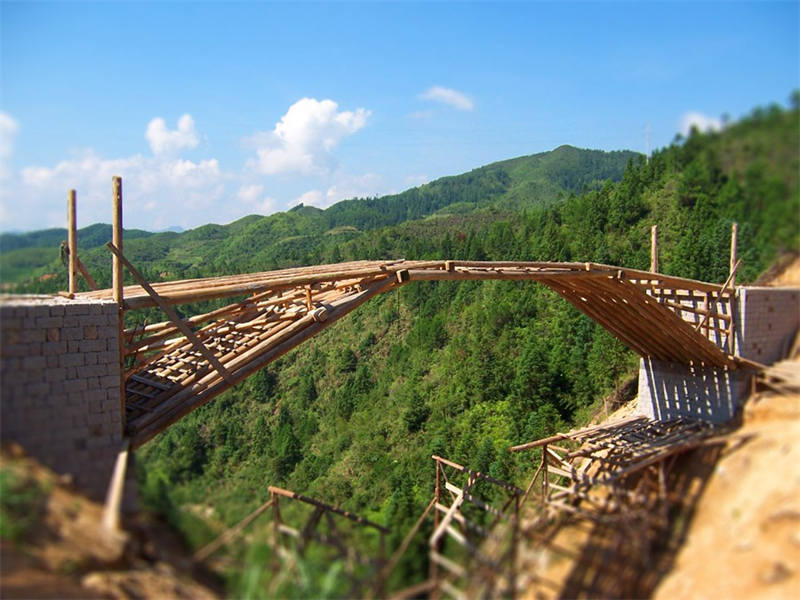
x=744, y=538
x=55, y=546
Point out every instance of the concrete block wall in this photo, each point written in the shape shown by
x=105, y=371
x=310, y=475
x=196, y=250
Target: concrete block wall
x=60, y=385
x=668, y=391
x=766, y=321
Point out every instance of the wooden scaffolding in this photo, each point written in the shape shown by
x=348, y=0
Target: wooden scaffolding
x=177, y=365
x=616, y=477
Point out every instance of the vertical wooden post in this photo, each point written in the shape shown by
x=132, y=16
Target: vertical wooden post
x=654, y=249
x=117, y=278
x=734, y=244
x=111, y=512
x=72, y=242
x=116, y=194
x=732, y=302
x=545, y=480
x=433, y=565
x=276, y=533
x=512, y=574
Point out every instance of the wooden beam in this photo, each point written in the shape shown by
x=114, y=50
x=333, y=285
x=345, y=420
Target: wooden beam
x=72, y=242
x=111, y=512
x=654, y=249
x=86, y=275
x=209, y=549
x=173, y=316
x=209, y=386
x=734, y=252
x=116, y=238
x=728, y=282
x=117, y=286
x=276, y=491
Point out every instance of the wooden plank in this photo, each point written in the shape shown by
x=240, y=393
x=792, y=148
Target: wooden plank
x=445, y=522
x=206, y=388
x=464, y=495
x=150, y=382
x=173, y=316
x=453, y=591
x=448, y=564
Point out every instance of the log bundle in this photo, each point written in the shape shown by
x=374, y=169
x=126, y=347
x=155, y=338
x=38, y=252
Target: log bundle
x=177, y=365
x=617, y=482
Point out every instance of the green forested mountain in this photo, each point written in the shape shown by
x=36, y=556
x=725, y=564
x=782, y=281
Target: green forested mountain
x=465, y=369
x=302, y=234
x=459, y=369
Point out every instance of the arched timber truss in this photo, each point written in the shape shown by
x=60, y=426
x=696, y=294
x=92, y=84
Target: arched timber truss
x=177, y=365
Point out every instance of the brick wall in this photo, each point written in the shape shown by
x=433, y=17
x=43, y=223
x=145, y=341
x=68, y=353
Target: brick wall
x=667, y=391
x=768, y=320
x=765, y=323
x=59, y=385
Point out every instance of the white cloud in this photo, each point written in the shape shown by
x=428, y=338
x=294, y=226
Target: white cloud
x=357, y=186
x=448, y=96
x=696, y=119
x=158, y=191
x=309, y=198
x=249, y=193
x=303, y=139
x=251, y=196
x=8, y=132
x=415, y=180
x=171, y=141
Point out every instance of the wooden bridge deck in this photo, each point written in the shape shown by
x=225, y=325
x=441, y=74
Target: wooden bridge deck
x=177, y=365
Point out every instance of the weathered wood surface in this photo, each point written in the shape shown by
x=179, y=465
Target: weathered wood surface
x=190, y=361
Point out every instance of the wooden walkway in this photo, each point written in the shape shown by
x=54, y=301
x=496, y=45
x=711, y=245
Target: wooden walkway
x=177, y=365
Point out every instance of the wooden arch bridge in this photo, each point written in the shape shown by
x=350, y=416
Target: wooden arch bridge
x=176, y=366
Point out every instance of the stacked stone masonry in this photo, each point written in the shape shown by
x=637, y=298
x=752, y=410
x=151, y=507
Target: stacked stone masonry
x=766, y=321
x=60, y=385
x=769, y=319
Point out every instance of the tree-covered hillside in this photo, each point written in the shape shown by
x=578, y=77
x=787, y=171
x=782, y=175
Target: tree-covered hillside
x=466, y=369
x=458, y=369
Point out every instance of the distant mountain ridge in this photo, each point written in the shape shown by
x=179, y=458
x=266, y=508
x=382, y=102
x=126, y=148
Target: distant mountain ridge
x=261, y=242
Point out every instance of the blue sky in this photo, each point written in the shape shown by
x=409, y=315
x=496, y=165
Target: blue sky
x=212, y=111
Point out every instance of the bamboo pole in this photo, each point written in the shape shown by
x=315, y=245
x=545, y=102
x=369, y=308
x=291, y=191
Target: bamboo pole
x=734, y=264
x=117, y=285
x=116, y=239
x=72, y=242
x=209, y=549
x=398, y=554
x=654, y=249
x=185, y=330
x=276, y=491
x=734, y=251
x=86, y=275
x=111, y=511
x=209, y=386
